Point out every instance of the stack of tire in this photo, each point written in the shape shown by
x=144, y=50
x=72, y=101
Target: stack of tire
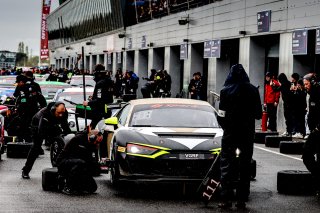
x=274, y=140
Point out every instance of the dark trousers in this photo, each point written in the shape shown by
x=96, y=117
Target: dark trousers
x=299, y=121
x=233, y=168
x=272, y=117
x=288, y=115
x=78, y=175
x=34, y=152
x=312, y=148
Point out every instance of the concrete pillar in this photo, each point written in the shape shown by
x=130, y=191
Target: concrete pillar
x=105, y=61
x=114, y=62
x=141, y=67
x=193, y=64
x=156, y=59
x=173, y=66
x=90, y=64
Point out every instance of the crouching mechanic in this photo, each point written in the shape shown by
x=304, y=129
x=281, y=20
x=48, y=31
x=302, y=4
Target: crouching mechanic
x=48, y=123
x=77, y=164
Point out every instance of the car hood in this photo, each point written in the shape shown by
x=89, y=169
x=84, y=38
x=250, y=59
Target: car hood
x=204, y=139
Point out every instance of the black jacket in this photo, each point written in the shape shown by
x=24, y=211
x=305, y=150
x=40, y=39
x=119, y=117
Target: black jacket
x=79, y=148
x=240, y=102
x=286, y=93
x=102, y=95
x=46, y=125
x=314, y=108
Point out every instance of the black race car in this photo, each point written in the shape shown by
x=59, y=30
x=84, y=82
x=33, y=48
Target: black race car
x=163, y=140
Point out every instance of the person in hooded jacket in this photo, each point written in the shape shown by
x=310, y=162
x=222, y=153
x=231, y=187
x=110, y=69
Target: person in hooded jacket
x=102, y=96
x=311, y=151
x=239, y=106
x=287, y=97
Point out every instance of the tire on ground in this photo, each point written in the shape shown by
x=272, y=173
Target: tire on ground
x=291, y=147
x=259, y=136
x=50, y=179
x=274, y=140
x=294, y=182
x=253, y=169
x=18, y=149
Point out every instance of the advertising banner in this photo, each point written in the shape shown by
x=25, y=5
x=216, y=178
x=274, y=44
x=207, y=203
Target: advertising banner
x=207, y=49
x=109, y=58
x=129, y=43
x=215, y=48
x=318, y=41
x=143, y=42
x=44, y=50
x=263, y=21
x=300, y=42
x=183, y=51
x=119, y=58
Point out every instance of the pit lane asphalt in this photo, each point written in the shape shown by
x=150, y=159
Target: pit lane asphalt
x=18, y=195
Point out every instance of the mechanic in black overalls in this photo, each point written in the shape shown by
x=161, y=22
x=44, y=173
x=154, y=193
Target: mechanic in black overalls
x=49, y=122
x=29, y=102
x=102, y=96
x=77, y=163
x=312, y=145
x=239, y=106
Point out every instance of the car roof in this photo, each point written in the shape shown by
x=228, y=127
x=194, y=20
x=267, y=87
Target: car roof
x=52, y=83
x=78, y=89
x=168, y=101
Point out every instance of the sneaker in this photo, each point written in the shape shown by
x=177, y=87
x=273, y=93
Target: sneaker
x=25, y=175
x=285, y=134
x=66, y=190
x=306, y=137
x=298, y=135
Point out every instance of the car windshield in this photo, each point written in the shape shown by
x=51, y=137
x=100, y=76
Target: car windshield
x=173, y=115
x=76, y=97
x=78, y=81
x=7, y=80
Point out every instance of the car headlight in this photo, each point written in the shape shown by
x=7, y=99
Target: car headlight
x=72, y=124
x=141, y=150
x=145, y=150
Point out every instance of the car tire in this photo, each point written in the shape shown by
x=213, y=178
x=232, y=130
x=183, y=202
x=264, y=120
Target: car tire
x=114, y=172
x=294, y=182
x=259, y=136
x=291, y=147
x=18, y=149
x=50, y=179
x=55, y=149
x=274, y=140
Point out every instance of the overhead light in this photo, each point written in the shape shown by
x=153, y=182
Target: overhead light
x=52, y=51
x=242, y=32
x=123, y=48
x=68, y=48
x=90, y=53
x=105, y=51
x=184, y=20
x=186, y=40
x=90, y=43
x=121, y=35
x=150, y=44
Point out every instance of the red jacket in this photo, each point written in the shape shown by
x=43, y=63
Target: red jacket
x=270, y=94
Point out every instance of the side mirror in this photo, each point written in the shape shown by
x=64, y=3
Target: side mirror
x=111, y=121
x=110, y=124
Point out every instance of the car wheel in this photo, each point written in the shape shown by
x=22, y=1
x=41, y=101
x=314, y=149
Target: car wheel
x=114, y=172
x=55, y=149
x=294, y=182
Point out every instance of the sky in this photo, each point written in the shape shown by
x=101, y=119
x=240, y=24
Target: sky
x=20, y=22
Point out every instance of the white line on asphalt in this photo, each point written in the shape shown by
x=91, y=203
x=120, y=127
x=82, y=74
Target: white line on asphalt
x=277, y=153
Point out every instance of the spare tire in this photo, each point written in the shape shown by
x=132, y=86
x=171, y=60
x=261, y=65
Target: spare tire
x=291, y=147
x=259, y=136
x=274, y=140
x=50, y=179
x=294, y=182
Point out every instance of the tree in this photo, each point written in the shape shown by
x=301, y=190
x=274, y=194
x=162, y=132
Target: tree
x=27, y=51
x=21, y=58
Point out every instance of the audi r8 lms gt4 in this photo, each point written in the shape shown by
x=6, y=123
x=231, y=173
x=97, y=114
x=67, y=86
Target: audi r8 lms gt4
x=163, y=139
